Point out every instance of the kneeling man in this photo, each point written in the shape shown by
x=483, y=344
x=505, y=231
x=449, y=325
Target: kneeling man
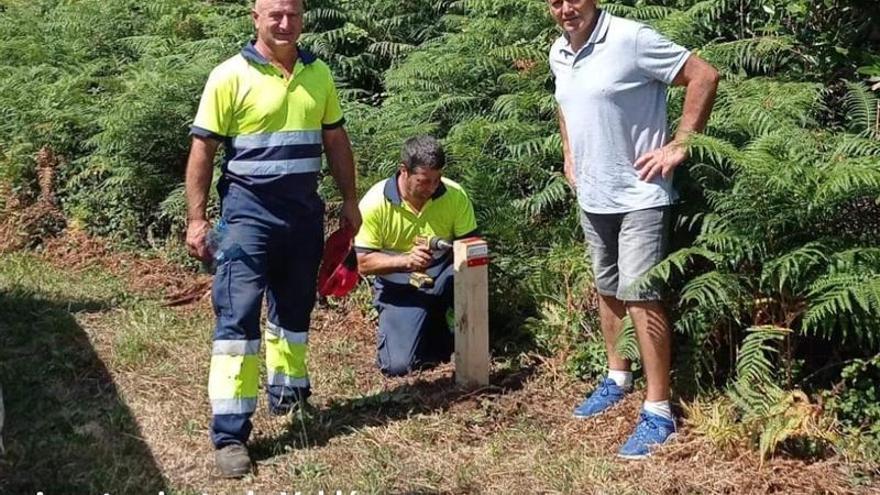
x=413, y=282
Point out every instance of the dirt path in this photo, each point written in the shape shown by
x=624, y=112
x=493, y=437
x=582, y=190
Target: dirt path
x=116, y=384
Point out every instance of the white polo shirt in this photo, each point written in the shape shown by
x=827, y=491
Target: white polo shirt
x=612, y=93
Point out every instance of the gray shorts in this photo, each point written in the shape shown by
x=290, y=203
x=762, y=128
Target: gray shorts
x=623, y=247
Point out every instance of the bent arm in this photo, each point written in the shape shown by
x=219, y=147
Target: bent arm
x=701, y=84
x=377, y=263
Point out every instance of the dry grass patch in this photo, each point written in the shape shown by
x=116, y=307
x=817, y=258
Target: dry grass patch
x=418, y=434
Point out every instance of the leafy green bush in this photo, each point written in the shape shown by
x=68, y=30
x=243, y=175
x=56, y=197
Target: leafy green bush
x=360, y=40
x=857, y=403
x=111, y=92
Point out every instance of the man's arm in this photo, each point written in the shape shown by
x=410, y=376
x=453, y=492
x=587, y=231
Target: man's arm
x=199, y=172
x=341, y=161
x=701, y=82
x=378, y=263
x=568, y=162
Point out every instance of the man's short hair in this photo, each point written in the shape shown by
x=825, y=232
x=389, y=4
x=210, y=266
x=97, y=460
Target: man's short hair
x=422, y=151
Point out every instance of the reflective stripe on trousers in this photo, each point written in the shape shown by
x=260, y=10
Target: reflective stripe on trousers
x=278, y=259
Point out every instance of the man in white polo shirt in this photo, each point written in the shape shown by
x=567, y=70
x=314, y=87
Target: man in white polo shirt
x=611, y=79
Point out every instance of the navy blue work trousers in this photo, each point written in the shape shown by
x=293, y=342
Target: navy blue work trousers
x=273, y=247
x=414, y=331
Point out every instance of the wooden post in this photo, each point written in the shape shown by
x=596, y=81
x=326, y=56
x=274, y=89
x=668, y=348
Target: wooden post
x=471, y=256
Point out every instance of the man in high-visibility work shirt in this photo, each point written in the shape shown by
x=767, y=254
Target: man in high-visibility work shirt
x=273, y=106
x=414, y=329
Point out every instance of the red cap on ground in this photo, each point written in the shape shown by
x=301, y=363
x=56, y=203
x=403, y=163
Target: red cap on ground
x=338, y=274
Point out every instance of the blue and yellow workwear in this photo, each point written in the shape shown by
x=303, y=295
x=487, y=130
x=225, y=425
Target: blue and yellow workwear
x=271, y=128
x=414, y=326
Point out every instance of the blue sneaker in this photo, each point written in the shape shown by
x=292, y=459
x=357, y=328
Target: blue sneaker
x=606, y=395
x=651, y=431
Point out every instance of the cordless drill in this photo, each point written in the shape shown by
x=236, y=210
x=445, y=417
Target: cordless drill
x=422, y=280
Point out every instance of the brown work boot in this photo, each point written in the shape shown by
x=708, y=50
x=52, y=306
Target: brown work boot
x=233, y=461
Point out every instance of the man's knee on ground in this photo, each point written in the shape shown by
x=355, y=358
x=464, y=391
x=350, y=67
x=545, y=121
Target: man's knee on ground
x=403, y=365
x=396, y=366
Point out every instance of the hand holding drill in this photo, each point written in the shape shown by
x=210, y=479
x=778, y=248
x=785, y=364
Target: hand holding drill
x=419, y=258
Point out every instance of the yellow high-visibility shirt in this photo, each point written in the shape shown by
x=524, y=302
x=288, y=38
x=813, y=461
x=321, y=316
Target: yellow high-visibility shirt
x=391, y=225
x=270, y=125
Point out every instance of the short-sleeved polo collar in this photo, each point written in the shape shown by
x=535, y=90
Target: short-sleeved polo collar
x=597, y=36
x=392, y=192
x=250, y=53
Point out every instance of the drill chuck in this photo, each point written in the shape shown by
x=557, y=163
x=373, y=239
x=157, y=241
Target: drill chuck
x=439, y=244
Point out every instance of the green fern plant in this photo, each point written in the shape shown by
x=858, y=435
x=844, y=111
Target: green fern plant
x=769, y=412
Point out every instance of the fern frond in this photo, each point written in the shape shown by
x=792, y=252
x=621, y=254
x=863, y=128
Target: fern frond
x=390, y=49
x=322, y=15
x=554, y=192
x=715, y=291
x=639, y=12
x=855, y=146
x=861, y=108
x=627, y=344
x=843, y=301
x=850, y=178
x=676, y=264
x=539, y=146
x=708, y=11
x=716, y=150
x=793, y=415
x=794, y=266
x=759, y=55
x=754, y=367
x=519, y=52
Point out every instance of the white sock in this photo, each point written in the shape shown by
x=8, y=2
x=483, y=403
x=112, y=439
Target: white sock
x=623, y=379
x=659, y=407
